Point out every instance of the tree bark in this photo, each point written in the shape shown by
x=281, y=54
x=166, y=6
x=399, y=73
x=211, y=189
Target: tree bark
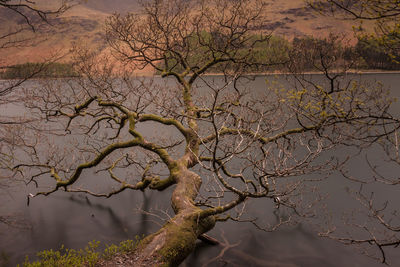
x=177, y=238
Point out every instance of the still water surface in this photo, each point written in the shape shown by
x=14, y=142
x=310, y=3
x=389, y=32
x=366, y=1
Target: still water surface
x=73, y=220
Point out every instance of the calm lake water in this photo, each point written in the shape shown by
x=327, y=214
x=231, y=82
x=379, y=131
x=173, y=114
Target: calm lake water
x=74, y=220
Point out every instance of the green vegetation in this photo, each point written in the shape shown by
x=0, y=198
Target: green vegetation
x=124, y=247
x=39, y=70
x=375, y=54
x=369, y=53
x=88, y=256
x=266, y=52
x=274, y=52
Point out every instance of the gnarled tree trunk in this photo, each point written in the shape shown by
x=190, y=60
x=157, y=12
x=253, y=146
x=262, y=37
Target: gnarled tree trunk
x=176, y=239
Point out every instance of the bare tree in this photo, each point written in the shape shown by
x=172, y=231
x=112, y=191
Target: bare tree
x=218, y=143
x=381, y=231
x=22, y=35
x=363, y=9
x=384, y=14
x=375, y=225
x=371, y=228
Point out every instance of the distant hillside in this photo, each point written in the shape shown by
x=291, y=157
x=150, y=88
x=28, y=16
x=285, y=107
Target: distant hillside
x=83, y=24
x=107, y=6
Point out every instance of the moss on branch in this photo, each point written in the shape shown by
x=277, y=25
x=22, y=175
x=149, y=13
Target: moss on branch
x=108, y=150
x=165, y=121
x=260, y=138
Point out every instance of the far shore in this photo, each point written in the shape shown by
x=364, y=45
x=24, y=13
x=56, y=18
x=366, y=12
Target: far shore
x=271, y=73
x=372, y=71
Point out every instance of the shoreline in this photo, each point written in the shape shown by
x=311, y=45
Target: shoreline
x=275, y=73
x=311, y=73
x=353, y=72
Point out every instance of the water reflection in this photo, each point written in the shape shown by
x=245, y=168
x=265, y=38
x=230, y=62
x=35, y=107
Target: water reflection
x=73, y=220
x=297, y=246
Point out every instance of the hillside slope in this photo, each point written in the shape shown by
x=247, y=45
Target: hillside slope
x=84, y=24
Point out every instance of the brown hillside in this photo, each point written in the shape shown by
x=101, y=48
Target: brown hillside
x=83, y=24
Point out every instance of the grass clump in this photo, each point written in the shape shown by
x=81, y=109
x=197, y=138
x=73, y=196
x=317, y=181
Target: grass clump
x=87, y=257
x=124, y=247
